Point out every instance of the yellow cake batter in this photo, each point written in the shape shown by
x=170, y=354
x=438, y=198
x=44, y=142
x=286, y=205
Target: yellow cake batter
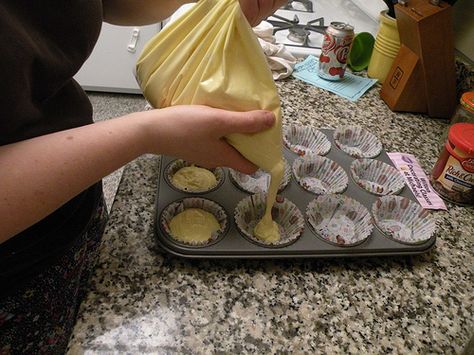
x=264, y=149
x=193, y=225
x=267, y=229
x=193, y=178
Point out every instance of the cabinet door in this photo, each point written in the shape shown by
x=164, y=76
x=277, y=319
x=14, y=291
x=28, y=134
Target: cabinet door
x=111, y=64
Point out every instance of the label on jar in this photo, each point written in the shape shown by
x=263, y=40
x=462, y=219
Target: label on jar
x=457, y=176
x=417, y=180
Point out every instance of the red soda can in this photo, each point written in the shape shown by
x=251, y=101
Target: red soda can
x=336, y=44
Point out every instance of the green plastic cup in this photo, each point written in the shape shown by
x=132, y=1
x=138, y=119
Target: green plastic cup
x=361, y=51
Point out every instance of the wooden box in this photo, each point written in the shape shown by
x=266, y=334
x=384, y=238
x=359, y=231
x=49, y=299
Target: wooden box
x=422, y=77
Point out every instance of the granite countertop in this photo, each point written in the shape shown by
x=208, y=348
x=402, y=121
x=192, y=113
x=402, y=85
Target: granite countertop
x=142, y=300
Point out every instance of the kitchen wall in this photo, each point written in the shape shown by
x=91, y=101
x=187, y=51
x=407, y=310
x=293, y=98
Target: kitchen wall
x=371, y=7
x=463, y=17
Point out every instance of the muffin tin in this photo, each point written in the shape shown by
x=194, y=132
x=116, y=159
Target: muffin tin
x=308, y=238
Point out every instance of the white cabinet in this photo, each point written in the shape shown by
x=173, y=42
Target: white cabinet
x=110, y=66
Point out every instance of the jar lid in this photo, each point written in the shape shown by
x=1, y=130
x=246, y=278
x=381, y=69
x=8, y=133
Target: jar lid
x=467, y=100
x=462, y=136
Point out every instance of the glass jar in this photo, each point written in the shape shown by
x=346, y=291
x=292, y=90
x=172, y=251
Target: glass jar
x=465, y=109
x=464, y=113
x=453, y=174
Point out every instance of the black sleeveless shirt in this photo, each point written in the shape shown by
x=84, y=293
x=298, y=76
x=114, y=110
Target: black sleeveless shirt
x=43, y=44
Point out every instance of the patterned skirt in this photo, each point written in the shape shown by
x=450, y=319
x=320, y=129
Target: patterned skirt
x=39, y=317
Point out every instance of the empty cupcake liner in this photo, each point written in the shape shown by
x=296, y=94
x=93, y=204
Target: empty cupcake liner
x=357, y=142
x=259, y=181
x=339, y=220
x=194, y=202
x=305, y=140
x=377, y=177
x=319, y=175
x=177, y=164
x=250, y=210
x=403, y=220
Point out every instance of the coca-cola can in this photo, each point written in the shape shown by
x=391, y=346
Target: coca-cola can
x=336, y=45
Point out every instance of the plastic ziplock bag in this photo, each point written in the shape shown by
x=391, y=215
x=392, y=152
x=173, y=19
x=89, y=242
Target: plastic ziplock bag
x=210, y=56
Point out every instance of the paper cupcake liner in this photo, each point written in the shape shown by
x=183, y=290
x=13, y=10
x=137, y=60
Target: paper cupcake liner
x=339, y=220
x=194, y=202
x=250, y=210
x=403, y=220
x=357, y=142
x=377, y=177
x=319, y=175
x=305, y=140
x=177, y=164
x=259, y=181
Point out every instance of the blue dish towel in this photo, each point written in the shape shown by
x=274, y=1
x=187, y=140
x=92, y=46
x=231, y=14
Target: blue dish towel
x=351, y=87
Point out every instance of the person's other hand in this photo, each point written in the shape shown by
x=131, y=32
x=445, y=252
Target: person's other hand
x=257, y=10
x=196, y=133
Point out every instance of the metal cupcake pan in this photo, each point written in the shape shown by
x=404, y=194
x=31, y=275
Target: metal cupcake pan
x=234, y=243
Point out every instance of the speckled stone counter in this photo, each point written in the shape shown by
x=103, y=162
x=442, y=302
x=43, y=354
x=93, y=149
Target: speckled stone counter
x=144, y=301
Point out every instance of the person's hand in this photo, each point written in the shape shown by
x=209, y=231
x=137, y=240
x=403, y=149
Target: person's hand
x=196, y=133
x=257, y=10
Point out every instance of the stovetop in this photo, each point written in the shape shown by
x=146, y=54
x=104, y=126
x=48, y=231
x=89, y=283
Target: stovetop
x=299, y=5
x=300, y=24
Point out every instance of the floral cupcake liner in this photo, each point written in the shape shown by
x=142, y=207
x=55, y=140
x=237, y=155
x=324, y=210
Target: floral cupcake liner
x=178, y=164
x=305, y=140
x=377, y=177
x=403, y=220
x=319, y=175
x=339, y=220
x=177, y=207
x=357, y=142
x=259, y=181
x=250, y=210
